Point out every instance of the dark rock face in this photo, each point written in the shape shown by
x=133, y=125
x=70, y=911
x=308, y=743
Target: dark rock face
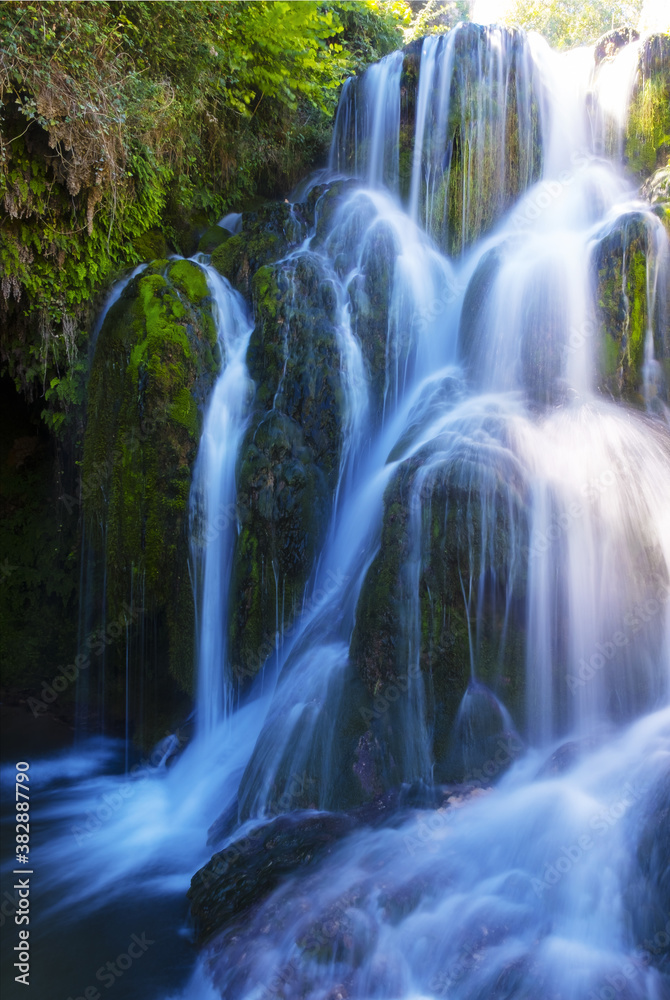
x=648, y=895
x=621, y=261
x=440, y=520
x=156, y=360
x=240, y=877
x=289, y=461
x=609, y=44
x=266, y=236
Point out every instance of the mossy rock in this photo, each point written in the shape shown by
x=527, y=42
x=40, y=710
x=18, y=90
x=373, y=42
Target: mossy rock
x=612, y=41
x=266, y=236
x=185, y=227
x=370, y=294
x=620, y=262
x=453, y=507
x=155, y=362
x=656, y=190
x=289, y=462
x=212, y=238
x=321, y=204
x=151, y=245
x=647, y=138
x=456, y=218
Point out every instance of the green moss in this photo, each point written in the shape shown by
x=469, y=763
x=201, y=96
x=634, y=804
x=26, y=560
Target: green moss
x=290, y=459
x=190, y=280
x=151, y=245
x=185, y=411
x=212, y=238
x=477, y=186
x=451, y=505
x=152, y=367
x=267, y=234
x=620, y=264
x=647, y=140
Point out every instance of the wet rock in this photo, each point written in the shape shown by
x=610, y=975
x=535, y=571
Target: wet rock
x=399, y=608
x=225, y=892
x=267, y=235
x=621, y=260
x=657, y=191
x=289, y=460
x=240, y=877
x=566, y=757
x=648, y=894
x=609, y=44
x=212, y=238
x=647, y=138
x=155, y=362
x=483, y=743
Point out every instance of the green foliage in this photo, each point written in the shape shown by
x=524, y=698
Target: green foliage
x=437, y=16
x=567, y=23
x=127, y=127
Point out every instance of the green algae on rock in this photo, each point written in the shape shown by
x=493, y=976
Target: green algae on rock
x=647, y=138
x=212, y=238
x=289, y=461
x=454, y=524
x=155, y=362
x=266, y=236
x=623, y=262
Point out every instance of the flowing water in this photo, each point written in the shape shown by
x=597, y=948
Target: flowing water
x=483, y=406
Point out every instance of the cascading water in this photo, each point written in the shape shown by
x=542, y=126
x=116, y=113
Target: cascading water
x=213, y=519
x=498, y=557
x=563, y=544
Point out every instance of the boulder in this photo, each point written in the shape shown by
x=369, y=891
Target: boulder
x=155, y=362
x=289, y=460
x=621, y=261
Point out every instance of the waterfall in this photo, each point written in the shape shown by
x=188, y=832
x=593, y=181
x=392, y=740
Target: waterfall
x=479, y=650
x=213, y=514
x=544, y=504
